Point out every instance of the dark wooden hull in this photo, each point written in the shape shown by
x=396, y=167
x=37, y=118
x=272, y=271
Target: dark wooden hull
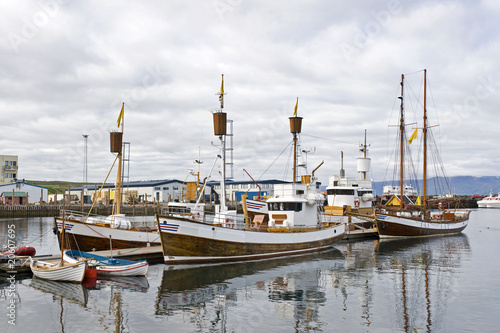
x=183, y=248
x=390, y=226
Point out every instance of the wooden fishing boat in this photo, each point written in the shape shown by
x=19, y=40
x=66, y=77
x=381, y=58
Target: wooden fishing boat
x=294, y=224
x=91, y=232
x=107, y=266
x=416, y=220
x=59, y=271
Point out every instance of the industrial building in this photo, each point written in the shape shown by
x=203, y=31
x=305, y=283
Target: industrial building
x=136, y=191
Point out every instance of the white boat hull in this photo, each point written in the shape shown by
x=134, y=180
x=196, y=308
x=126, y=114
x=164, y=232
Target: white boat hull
x=55, y=272
x=489, y=202
x=138, y=269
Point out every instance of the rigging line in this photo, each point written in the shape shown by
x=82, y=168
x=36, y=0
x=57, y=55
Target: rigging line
x=420, y=70
x=38, y=238
x=274, y=160
x=433, y=101
x=318, y=137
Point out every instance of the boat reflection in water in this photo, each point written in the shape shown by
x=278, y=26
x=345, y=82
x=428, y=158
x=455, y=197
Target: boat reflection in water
x=291, y=287
x=405, y=284
x=108, y=290
x=129, y=283
x=425, y=271
x=72, y=292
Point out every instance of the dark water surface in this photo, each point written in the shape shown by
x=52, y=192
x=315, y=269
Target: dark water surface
x=439, y=284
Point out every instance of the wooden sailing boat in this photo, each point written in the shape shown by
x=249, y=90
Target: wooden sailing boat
x=59, y=271
x=86, y=232
x=417, y=221
x=294, y=225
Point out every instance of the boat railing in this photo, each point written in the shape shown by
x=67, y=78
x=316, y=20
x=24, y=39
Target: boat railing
x=77, y=215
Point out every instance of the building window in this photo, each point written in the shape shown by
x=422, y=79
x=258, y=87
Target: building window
x=176, y=188
x=14, y=163
x=157, y=188
x=165, y=188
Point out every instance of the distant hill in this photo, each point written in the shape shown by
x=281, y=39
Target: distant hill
x=56, y=186
x=460, y=185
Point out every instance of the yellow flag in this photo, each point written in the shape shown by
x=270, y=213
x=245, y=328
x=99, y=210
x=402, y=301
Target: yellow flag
x=120, y=117
x=413, y=136
x=418, y=203
x=221, y=88
x=295, y=109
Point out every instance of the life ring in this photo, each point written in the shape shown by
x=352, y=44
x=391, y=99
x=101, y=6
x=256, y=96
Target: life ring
x=356, y=202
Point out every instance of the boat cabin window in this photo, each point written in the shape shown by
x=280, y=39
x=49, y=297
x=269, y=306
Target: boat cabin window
x=286, y=206
x=339, y=191
x=178, y=210
x=361, y=192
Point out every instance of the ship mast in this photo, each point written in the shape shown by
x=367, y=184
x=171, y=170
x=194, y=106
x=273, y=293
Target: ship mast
x=220, y=121
x=401, y=148
x=364, y=149
x=424, y=201
x=116, y=147
x=295, y=128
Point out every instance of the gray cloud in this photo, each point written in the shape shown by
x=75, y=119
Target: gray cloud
x=67, y=67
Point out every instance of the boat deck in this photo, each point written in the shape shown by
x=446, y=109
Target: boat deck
x=358, y=234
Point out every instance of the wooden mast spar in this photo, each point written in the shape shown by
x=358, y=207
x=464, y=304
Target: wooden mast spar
x=116, y=140
x=401, y=148
x=424, y=201
x=220, y=130
x=295, y=128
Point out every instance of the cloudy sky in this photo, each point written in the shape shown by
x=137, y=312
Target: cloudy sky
x=67, y=66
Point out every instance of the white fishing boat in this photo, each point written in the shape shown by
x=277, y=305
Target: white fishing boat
x=491, y=201
x=294, y=223
x=351, y=195
x=417, y=220
x=350, y=199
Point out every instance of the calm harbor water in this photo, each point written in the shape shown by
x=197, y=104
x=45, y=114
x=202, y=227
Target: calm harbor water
x=440, y=284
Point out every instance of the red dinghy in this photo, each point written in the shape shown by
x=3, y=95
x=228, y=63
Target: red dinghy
x=24, y=251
